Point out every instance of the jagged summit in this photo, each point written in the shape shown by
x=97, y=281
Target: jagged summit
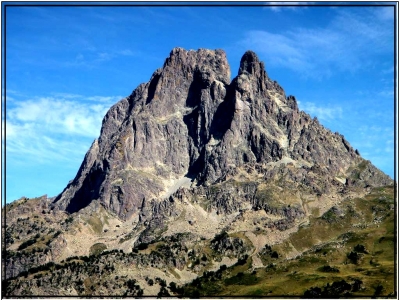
x=250, y=64
x=191, y=127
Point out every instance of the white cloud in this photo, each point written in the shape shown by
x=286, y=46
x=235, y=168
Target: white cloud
x=386, y=93
x=322, y=113
x=126, y=52
x=92, y=57
x=104, y=56
x=345, y=44
x=54, y=128
x=61, y=115
x=279, y=6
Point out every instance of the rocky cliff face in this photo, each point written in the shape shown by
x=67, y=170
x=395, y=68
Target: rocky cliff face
x=190, y=126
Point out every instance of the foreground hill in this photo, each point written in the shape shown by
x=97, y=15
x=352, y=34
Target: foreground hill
x=348, y=251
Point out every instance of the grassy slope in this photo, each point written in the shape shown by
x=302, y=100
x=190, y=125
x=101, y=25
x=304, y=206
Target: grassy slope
x=369, y=222
x=325, y=242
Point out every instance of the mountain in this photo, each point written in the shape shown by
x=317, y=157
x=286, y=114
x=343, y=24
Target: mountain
x=190, y=126
x=192, y=159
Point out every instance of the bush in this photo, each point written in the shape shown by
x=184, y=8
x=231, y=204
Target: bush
x=354, y=257
x=378, y=290
x=131, y=284
x=150, y=282
x=242, y=279
x=328, y=269
x=26, y=244
x=142, y=246
x=360, y=249
x=173, y=287
x=242, y=261
x=334, y=290
x=163, y=292
x=219, y=237
x=267, y=250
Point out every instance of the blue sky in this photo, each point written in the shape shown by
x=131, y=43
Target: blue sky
x=65, y=66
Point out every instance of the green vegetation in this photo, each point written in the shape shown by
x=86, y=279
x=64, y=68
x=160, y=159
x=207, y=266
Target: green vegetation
x=127, y=237
x=142, y=246
x=356, y=171
x=219, y=237
x=242, y=279
x=347, y=252
x=352, y=254
x=97, y=248
x=328, y=269
x=26, y=244
x=96, y=224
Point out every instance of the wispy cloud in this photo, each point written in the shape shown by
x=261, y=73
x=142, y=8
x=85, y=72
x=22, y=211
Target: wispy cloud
x=386, y=93
x=342, y=45
x=96, y=58
x=54, y=128
x=279, y=6
x=322, y=113
x=375, y=143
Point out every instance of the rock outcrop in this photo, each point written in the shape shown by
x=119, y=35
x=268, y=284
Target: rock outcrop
x=191, y=126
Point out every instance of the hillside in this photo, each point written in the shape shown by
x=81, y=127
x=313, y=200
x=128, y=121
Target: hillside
x=348, y=251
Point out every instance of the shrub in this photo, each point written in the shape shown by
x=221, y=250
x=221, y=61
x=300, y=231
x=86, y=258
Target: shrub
x=360, y=249
x=328, y=269
x=378, y=290
x=150, y=282
x=26, y=244
x=354, y=257
x=334, y=290
x=267, y=250
x=163, y=292
x=242, y=261
x=142, y=246
x=219, y=237
x=172, y=286
x=131, y=284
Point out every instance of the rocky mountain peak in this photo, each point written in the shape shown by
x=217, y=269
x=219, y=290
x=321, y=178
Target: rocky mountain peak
x=208, y=64
x=191, y=127
x=250, y=64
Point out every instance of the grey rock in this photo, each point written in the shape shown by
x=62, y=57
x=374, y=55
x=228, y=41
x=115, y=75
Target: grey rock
x=190, y=120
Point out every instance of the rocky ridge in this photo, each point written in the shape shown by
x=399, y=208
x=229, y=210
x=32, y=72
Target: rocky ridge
x=190, y=121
